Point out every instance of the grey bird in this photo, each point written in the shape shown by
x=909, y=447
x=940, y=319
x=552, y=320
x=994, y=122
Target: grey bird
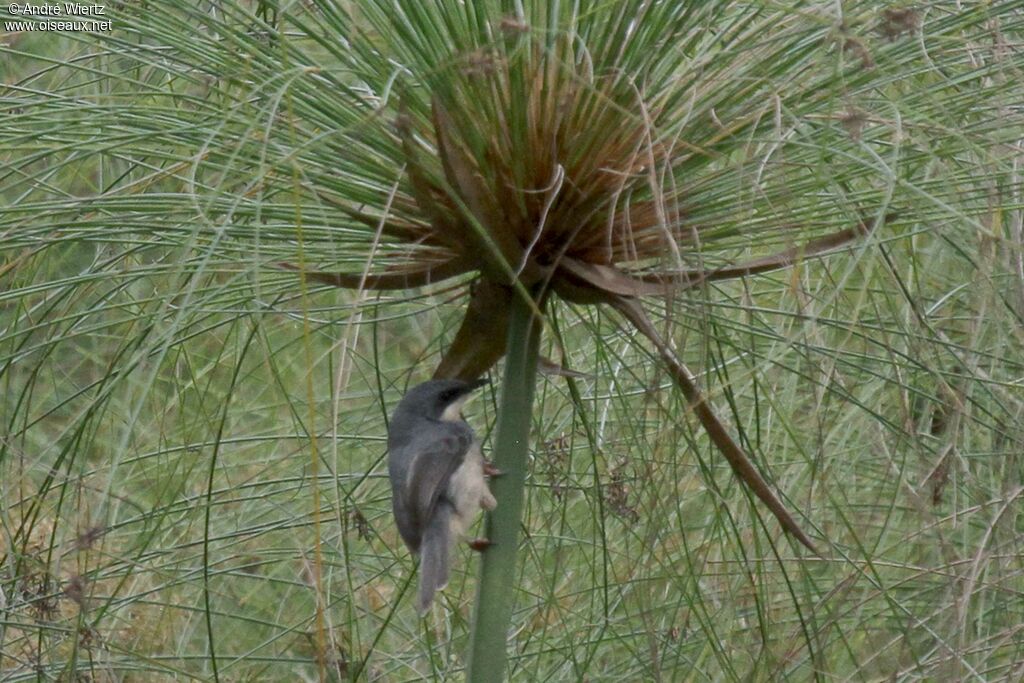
x=437, y=474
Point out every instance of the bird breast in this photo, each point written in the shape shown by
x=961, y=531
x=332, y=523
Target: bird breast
x=467, y=488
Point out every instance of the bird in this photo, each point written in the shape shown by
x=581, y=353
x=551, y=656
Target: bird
x=438, y=477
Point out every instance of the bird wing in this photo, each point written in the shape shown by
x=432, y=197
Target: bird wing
x=446, y=446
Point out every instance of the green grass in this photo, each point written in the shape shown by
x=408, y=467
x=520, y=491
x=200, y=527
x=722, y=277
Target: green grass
x=162, y=383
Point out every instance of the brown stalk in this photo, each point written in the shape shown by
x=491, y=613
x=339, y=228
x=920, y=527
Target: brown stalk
x=764, y=264
x=737, y=459
x=608, y=279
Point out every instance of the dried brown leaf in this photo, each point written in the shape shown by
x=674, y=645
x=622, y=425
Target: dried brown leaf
x=480, y=341
x=736, y=457
x=578, y=276
x=764, y=264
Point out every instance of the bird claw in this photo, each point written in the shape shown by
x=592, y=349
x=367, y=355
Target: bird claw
x=480, y=544
x=491, y=471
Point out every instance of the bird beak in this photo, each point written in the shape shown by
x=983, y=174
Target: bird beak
x=477, y=383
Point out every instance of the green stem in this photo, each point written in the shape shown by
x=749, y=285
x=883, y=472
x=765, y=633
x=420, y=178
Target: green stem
x=497, y=585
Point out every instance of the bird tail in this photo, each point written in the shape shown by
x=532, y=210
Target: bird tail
x=434, y=555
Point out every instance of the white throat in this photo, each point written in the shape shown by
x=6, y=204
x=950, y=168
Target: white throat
x=453, y=413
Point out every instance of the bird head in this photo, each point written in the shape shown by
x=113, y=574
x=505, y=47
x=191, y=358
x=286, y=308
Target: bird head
x=437, y=399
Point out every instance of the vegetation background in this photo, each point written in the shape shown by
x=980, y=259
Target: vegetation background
x=191, y=443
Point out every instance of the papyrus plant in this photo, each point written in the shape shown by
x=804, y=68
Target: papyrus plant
x=553, y=155
x=529, y=161
x=544, y=171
